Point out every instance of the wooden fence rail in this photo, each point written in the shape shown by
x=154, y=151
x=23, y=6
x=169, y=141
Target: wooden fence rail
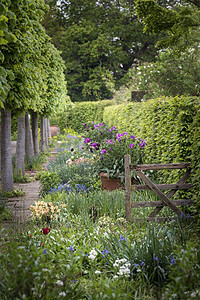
x=157, y=188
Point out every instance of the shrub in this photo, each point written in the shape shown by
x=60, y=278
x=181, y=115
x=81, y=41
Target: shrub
x=171, y=128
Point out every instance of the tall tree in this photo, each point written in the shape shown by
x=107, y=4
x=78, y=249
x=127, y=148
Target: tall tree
x=179, y=22
x=20, y=148
x=29, y=150
x=28, y=63
x=100, y=41
x=34, y=123
x=6, y=157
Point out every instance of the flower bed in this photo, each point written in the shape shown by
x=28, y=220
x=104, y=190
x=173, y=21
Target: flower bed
x=79, y=245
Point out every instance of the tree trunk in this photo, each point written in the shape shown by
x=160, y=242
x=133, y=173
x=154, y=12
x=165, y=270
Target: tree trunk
x=28, y=139
x=20, y=149
x=49, y=131
x=46, y=131
x=42, y=134
x=35, y=135
x=6, y=156
x=0, y=148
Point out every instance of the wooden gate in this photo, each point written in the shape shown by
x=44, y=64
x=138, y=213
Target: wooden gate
x=157, y=188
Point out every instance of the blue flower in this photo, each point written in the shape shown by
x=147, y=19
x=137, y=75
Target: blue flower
x=71, y=248
x=122, y=238
x=172, y=261
x=105, y=251
x=155, y=258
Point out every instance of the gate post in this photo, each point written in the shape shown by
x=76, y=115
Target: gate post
x=127, y=162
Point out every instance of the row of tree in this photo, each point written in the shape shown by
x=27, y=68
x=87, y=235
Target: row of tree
x=31, y=80
x=101, y=40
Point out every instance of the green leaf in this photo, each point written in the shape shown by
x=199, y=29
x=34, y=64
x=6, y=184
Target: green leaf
x=9, y=37
x=2, y=9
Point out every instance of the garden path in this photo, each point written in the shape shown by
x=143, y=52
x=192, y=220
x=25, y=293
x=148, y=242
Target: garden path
x=20, y=206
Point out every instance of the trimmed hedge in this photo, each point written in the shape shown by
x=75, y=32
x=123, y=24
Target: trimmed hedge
x=171, y=127
x=81, y=112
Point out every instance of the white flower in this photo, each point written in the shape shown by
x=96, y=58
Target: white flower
x=62, y=294
x=92, y=254
x=97, y=272
x=59, y=282
x=115, y=276
x=124, y=271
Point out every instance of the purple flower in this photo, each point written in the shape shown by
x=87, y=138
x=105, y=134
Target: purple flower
x=124, y=133
x=118, y=135
x=107, y=141
x=142, y=144
x=182, y=215
x=84, y=124
x=113, y=128
x=131, y=145
x=71, y=248
x=101, y=124
x=142, y=263
x=87, y=140
x=110, y=130
x=94, y=145
x=136, y=265
x=132, y=137
x=92, y=122
x=110, y=149
x=103, y=151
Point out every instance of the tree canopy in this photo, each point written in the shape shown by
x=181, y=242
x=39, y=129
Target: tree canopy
x=100, y=41
x=179, y=20
x=31, y=67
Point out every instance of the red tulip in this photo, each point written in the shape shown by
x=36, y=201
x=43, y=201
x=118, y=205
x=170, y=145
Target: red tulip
x=46, y=230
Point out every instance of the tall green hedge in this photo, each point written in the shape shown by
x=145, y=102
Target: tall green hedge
x=78, y=113
x=171, y=127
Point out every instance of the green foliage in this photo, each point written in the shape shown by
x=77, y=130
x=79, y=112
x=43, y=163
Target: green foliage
x=180, y=23
x=38, y=161
x=184, y=274
x=76, y=114
x=97, y=133
x=15, y=193
x=172, y=74
x=27, y=256
x=32, y=69
x=110, y=152
x=99, y=43
x=168, y=125
x=5, y=213
x=18, y=177
x=48, y=180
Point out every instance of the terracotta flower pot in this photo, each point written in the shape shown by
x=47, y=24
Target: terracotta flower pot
x=55, y=130
x=110, y=183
